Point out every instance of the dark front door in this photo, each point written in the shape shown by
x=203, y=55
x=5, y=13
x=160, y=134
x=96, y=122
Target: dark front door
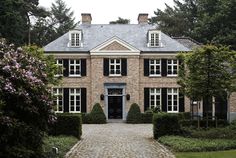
x=115, y=107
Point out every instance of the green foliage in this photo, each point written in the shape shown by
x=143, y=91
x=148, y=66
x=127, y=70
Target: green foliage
x=216, y=154
x=67, y=124
x=86, y=119
x=146, y=117
x=165, y=124
x=182, y=144
x=120, y=21
x=63, y=143
x=97, y=115
x=211, y=123
x=134, y=114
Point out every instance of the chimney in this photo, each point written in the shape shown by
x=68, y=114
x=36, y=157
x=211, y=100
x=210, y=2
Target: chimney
x=86, y=18
x=143, y=18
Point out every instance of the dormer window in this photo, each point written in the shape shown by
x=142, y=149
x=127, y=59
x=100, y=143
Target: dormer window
x=75, y=39
x=154, y=38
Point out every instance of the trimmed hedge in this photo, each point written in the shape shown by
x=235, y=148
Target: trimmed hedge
x=165, y=124
x=146, y=117
x=211, y=123
x=67, y=124
x=134, y=114
x=96, y=116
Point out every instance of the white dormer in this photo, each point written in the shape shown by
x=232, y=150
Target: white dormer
x=75, y=38
x=154, y=38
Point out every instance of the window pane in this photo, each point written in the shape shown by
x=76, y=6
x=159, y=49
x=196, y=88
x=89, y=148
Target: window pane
x=71, y=108
x=175, y=108
x=169, y=108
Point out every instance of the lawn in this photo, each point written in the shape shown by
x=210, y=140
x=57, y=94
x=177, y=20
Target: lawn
x=216, y=154
x=63, y=143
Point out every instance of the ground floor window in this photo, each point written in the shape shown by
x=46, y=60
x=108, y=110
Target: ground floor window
x=172, y=99
x=155, y=97
x=75, y=100
x=58, y=99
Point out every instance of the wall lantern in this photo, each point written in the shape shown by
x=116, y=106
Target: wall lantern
x=102, y=97
x=127, y=96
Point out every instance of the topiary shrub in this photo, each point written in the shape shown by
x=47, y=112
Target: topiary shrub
x=134, y=114
x=67, y=124
x=165, y=124
x=97, y=115
x=86, y=119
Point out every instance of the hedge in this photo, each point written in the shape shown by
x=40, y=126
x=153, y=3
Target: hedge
x=67, y=124
x=134, y=114
x=165, y=124
x=146, y=117
x=211, y=123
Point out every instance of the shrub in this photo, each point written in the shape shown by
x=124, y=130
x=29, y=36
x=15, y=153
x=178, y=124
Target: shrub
x=146, y=117
x=97, y=115
x=86, y=119
x=184, y=115
x=67, y=124
x=134, y=114
x=211, y=123
x=165, y=124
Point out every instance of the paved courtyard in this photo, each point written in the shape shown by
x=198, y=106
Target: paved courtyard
x=118, y=140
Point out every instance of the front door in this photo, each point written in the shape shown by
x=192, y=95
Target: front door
x=114, y=107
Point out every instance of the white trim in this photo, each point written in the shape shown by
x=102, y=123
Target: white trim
x=155, y=99
x=80, y=38
x=56, y=95
x=172, y=94
x=74, y=95
x=75, y=75
x=155, y=32
x=61, y=66
x=115, y=64
x=98, y=49
x=155, y=65
x=172, y=67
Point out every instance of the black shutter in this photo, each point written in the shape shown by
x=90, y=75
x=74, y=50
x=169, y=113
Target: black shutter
x=83, y=67
x=83, y=100
x=146, y=99
x=66, y=99
x=146, y=67
x=124, y=67
x=163, y=67
x=164, y=99
x=66, y=67
x=106, y=67
x=181, y=102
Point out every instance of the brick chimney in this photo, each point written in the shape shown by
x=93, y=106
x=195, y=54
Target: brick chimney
x=86, y=18
x=143, y=18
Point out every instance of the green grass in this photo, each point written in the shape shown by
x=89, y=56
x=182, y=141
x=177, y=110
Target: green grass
x=182, y=144
x=216, y=154
x=63, y=143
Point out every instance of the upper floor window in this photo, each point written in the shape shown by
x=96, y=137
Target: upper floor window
x=75, y=67
x=58, y=99
x=75, y=99
x=155, y=97
x=172, y=67
x=75, y=39
x=154, y=39
x=155, y=67
x=59, y=63
x=172, y=99
x=115, y=67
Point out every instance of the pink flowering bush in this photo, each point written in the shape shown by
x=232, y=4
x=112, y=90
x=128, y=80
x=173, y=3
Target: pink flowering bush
x=25, y=100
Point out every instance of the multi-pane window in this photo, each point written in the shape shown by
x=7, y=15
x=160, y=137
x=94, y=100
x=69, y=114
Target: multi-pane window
x=75, y=67
x=172, y=67
x=154, y=39
x=155, y=67
x=59, y=63
x=172, y=100
x=58, y=99
x=75, y=39
x=155, y=97
x=115, y=67
x=75, y=99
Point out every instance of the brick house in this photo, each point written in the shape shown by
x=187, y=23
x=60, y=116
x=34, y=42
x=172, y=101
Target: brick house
x=120, y=64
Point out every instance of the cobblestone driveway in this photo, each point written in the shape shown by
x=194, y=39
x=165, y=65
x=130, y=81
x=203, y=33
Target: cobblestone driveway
x=118, y=140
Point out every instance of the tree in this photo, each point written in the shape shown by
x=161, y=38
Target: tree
x=208, y=72
x=25, y=100
x=120, y=21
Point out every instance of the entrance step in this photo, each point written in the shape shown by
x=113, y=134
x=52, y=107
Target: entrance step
x=115, y=121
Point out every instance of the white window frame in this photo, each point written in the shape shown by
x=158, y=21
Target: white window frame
x=76, y=92
x=115, y=64
x=155, y=64
x=172, y=67
x=154, y=92
x=57, y=99
x=153, y=36
x=171, y=92
x=60, y=66
x=75, y=65
x=75, y=39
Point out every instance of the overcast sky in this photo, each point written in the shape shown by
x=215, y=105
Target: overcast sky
x=104, y=11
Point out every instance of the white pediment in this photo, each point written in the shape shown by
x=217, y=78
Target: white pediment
x=114, y=46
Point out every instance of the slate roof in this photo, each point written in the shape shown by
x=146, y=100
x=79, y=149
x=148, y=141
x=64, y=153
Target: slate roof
x=187, y=42
x=134, y=34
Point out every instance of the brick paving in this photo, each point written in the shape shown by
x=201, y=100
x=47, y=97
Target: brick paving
x=118, y=140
